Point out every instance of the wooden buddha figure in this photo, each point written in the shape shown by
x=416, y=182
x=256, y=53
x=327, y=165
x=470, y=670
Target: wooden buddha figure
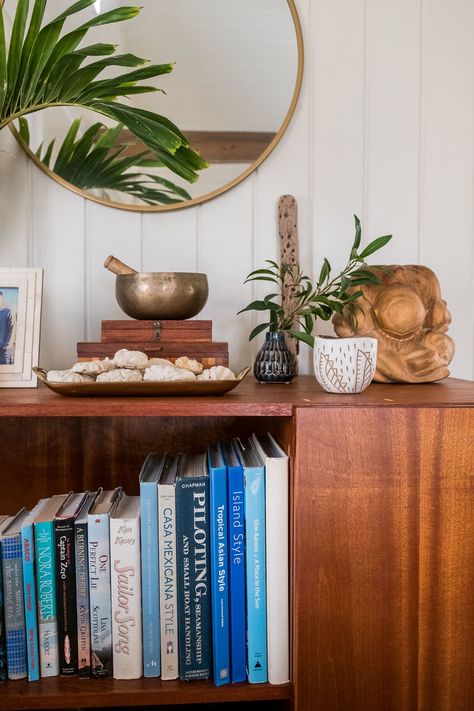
x=407, y=315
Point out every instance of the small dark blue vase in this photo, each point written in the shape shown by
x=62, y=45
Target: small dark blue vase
x=274, y=362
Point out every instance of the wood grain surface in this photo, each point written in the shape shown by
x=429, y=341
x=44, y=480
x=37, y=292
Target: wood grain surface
x=384, y=552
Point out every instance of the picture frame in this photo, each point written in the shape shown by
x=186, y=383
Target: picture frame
x=21, y=292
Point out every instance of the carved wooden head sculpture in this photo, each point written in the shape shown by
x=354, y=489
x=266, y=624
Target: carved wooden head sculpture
x=407, y=315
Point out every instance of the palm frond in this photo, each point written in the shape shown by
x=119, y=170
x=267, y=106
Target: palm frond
x=96, y=160
x=40, y=67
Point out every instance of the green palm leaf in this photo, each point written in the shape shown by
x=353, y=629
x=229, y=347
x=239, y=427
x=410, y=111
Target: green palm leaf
x=95, y=161
x=40, y=67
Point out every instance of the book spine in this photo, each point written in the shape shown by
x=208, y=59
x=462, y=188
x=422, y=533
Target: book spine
x=126, y=598
x=219, y=575
x=150, y=578
x=29, y=598
x=99, y=591
x=168, y=582
x=66, y=596
x=277, y=525
x=194, y=609
x=46, y=599
x=82, y=600
x=3, y=646
x=14, y=609
x=255, y=569
x=236, y=511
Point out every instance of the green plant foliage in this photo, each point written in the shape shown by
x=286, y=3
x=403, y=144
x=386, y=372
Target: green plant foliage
x=44, y=67
x=96, y=161
x=329, y=296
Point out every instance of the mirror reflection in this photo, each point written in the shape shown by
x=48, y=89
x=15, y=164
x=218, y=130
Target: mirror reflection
x=230, y=86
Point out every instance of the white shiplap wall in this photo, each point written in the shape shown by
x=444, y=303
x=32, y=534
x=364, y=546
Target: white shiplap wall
x=384, y=129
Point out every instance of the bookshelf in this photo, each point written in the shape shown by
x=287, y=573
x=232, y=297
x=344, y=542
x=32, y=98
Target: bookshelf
x=382, y=532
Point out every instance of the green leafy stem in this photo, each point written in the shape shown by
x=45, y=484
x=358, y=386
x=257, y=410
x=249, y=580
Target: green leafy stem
x=331, y=294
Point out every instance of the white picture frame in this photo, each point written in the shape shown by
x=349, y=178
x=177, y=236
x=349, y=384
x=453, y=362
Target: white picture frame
x=20, y=322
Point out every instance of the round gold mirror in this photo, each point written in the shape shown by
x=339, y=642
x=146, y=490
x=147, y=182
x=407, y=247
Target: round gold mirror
x=232, y=80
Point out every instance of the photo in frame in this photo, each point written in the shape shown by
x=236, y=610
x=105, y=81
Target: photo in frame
x=20, y=320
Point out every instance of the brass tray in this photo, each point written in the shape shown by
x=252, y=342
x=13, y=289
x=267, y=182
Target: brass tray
x=163, y=389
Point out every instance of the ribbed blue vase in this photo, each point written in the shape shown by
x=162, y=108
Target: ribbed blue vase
x=274, y=362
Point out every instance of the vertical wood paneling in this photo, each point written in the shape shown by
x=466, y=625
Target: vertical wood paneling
x=447, y=198
x=384, y=128
x=225, y=254
x=337, y=75
x=14, y=200
x=58, y=247
x=392, y=126
x=107, y=232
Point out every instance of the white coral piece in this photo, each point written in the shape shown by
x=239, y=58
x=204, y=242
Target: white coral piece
x=130, y=359
x=94, y=367
x=189, y=364
x=217, y=372
x=120, y=375
x=68, y=376
x=163, y=372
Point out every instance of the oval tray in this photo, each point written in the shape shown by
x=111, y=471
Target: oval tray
x=164, y=388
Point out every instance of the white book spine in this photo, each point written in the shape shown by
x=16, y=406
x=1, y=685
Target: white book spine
x=277, y=562
x=126, y=598
x=168, y=588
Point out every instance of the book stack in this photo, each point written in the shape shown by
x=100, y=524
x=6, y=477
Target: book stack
x=158, y=339
x=188, y=580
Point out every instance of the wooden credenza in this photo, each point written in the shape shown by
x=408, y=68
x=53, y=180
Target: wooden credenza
x=382, y=532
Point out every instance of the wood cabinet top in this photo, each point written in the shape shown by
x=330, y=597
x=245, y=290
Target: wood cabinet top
x=248, y=399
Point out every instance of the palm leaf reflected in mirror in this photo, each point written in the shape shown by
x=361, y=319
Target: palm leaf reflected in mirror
x=41, y=67
x=98, y=159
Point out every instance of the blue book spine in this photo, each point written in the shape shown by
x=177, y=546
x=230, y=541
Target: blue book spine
x=46, y=598
x=14, y=609
x=150, y=578
x=29, y=594
x=3, y=649
x=219, y=573
x=255, y=569
x=98, y=532
x=236, y=518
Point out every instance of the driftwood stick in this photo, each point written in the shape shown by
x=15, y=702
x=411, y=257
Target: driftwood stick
x=289, y=250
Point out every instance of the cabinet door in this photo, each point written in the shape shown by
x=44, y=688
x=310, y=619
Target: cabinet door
x=383, y=565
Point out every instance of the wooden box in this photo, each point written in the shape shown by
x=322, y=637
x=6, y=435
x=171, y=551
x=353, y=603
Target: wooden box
x=208, y=354
x=127, y=331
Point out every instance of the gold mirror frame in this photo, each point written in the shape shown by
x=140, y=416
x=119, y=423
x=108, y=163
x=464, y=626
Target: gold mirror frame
x=207, y=196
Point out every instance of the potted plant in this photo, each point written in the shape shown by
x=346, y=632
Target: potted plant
x=274, y=362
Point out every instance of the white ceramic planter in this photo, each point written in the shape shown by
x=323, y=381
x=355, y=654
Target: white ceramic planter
x=344, y=365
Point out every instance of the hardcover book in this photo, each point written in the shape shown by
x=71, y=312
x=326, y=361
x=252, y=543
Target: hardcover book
x=236, y=526
x=126, y=589
x=29, y=591
x=66, y=583
x=46, y=586
x=168, y=570
x=277, y=525
x=4, y=521
x=255, y=562
x=149, y=477
x=15, y=633
x=219, y=565
x=98, y=532
x=194, y=592
x=82, y=586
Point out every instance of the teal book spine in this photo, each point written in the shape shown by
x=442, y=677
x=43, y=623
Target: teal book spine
x=29, y=594
x=150, y=578
x=14, y=610
x=3, y=648
x=255, y=564
x=46, y=599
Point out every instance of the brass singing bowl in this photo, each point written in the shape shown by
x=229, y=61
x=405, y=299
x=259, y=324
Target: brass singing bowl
x=161, y=295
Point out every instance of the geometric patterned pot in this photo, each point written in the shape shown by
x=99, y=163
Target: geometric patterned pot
x=344, y=365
